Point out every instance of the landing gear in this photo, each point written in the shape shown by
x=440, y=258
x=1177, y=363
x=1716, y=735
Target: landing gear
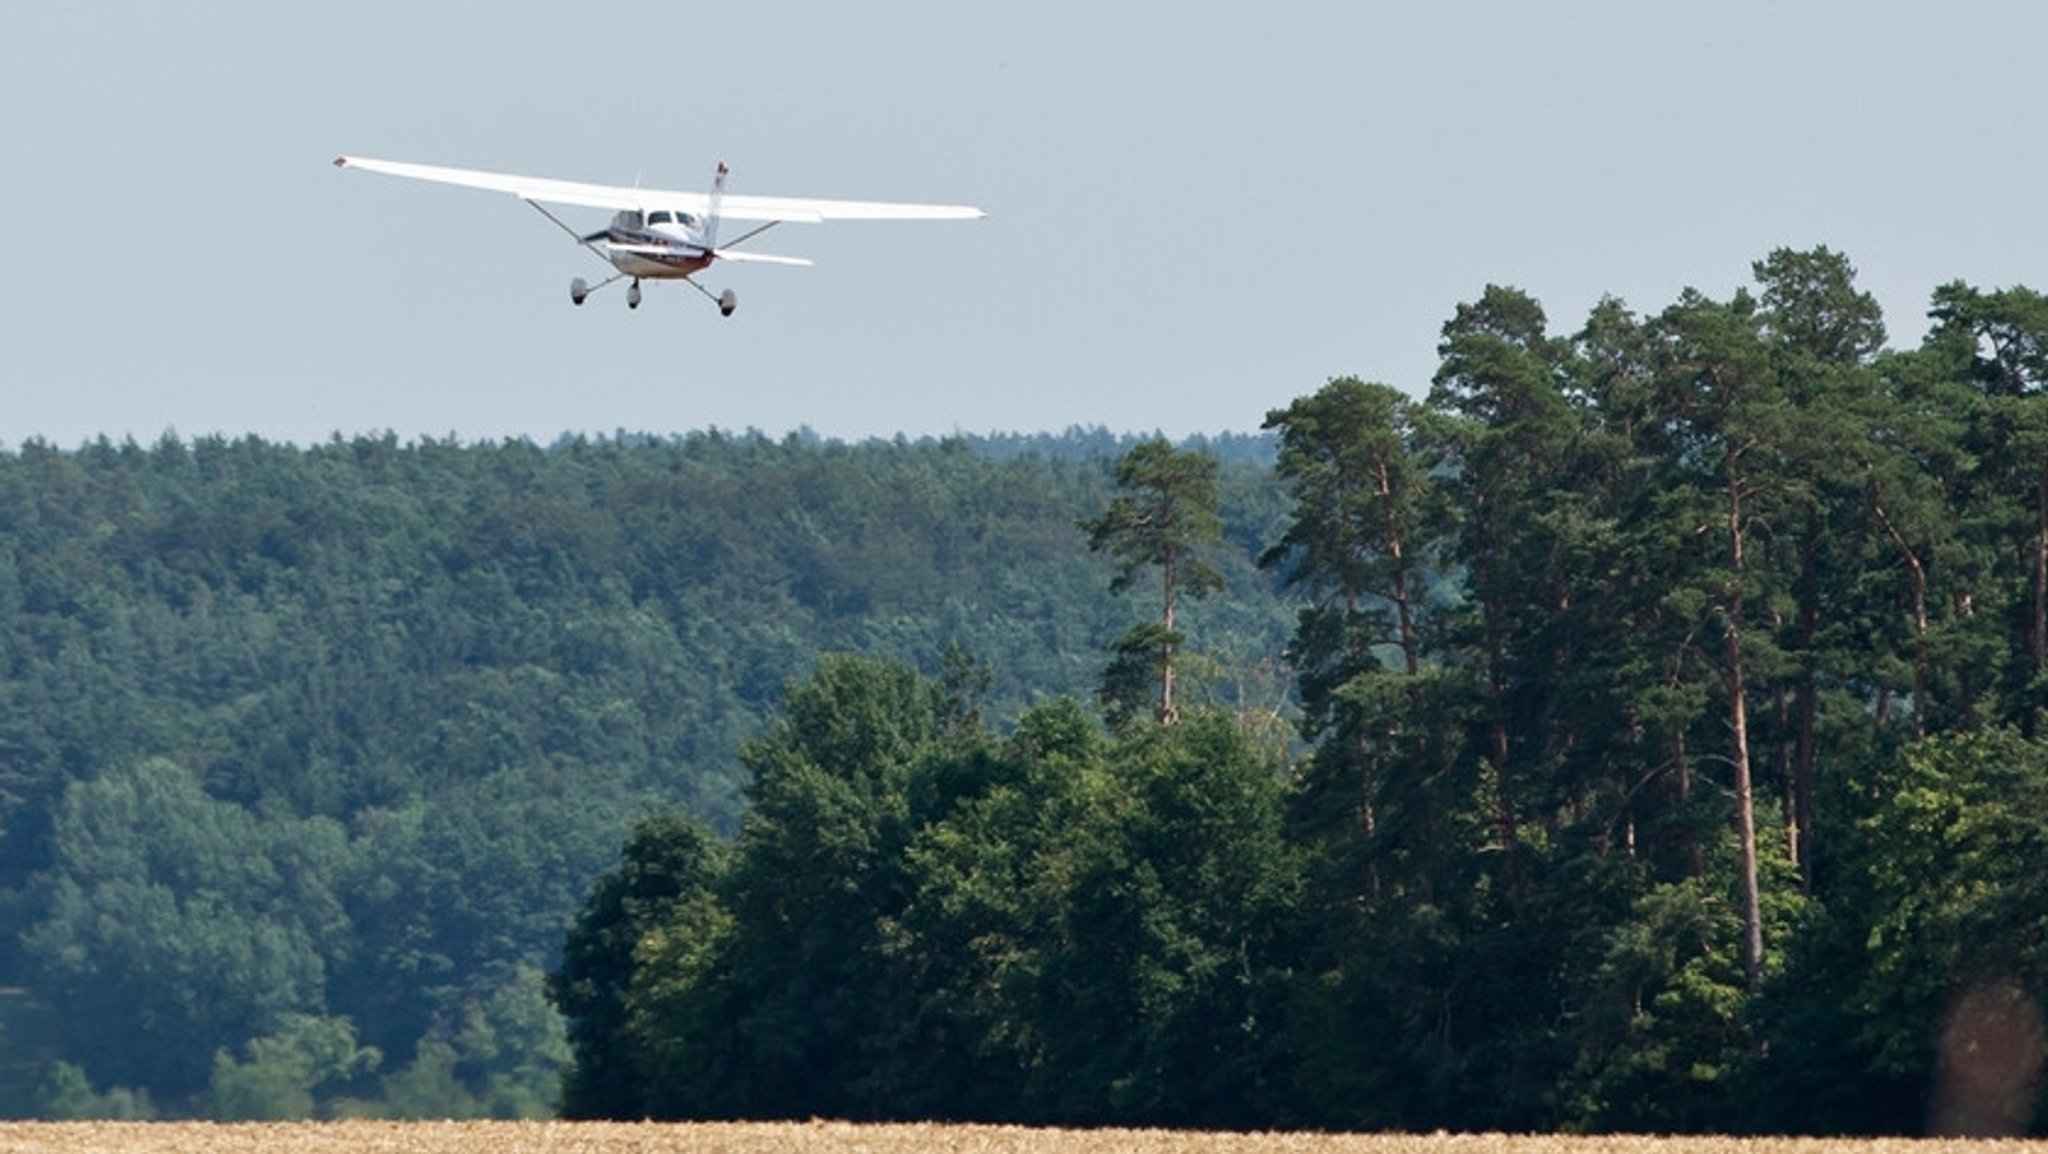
x=580, y=289
x=726, y=301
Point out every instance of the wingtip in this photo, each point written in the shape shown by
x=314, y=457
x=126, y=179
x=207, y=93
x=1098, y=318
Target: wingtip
x=341, y=162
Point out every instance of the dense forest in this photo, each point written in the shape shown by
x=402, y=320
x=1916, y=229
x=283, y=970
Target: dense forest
x=1640, y=728
x=1670, y=704
x=307, y=756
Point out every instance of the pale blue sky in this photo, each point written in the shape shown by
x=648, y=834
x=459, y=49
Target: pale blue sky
x=1199, y=210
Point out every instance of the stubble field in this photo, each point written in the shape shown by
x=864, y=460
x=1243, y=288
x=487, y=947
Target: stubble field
x=845, y=1138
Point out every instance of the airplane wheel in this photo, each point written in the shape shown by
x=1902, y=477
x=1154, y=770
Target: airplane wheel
x=579, y=291
x=633, y=295
x=727, y=301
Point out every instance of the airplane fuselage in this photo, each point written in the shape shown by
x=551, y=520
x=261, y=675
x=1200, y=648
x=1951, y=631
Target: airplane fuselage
x=664, y=267
x=656, y=246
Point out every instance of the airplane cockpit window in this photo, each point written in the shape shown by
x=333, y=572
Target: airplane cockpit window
x=686, y=220
x=660, y=218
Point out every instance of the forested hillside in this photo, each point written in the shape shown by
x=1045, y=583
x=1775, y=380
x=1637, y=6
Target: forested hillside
x=307, y=756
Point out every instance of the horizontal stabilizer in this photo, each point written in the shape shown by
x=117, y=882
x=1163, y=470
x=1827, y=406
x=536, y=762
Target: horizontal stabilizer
x=736, y=255
x=742, y=256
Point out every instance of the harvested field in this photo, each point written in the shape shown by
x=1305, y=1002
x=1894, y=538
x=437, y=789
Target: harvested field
x=846, y=1138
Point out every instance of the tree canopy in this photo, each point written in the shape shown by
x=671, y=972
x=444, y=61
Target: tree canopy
x=1668, y=700
x=293, y=740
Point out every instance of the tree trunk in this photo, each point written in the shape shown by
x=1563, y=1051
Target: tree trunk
x=2037, y=633
x=1745, y=816
x=1167, y=711
x=1802, y=810
x=1918, y=573
x=1738, y=725
x=1410, y=655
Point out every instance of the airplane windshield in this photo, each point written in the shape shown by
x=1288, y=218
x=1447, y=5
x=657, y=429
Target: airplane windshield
x=659, y=218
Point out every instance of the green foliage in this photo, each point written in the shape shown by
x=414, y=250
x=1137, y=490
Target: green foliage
x=501, y=1053
x=818, y=869
x=1652, y=680
x=1056, y=925
x=281, y=1072
x=1667, y=1017
x=658, y=898
x=1670, y=697
x=347, y=731
x=1958, y=899
x=429, y=1086
x=186, y=916
x=1707, y=572
x=1164, y=516
x=1129, y=690
x=67, y=1095
x=1178, y=904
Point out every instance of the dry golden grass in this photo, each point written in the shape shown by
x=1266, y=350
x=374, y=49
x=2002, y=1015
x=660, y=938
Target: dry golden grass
x=845, y=1138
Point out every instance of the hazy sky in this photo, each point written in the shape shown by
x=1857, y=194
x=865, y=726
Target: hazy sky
x=1198, y=210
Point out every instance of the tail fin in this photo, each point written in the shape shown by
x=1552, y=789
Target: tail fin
x=711, y=210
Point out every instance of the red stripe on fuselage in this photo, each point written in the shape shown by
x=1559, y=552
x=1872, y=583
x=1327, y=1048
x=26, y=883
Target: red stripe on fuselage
x=682, y=260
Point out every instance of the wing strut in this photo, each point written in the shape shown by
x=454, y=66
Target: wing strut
x=579, y=238
x=751, y=234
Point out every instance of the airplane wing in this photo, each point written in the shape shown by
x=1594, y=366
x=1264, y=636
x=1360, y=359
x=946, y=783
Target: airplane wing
x=619, y=197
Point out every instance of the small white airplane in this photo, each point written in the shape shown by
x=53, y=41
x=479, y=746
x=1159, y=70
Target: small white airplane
x=658, y=234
